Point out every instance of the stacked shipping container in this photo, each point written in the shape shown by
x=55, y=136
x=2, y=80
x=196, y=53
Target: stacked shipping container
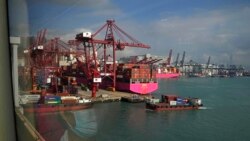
x=135, y=72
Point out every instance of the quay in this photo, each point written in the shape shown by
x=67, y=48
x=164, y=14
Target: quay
x=109, y=96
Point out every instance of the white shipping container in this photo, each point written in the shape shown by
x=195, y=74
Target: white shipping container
x=29, y=99
x=154, y=100
x=40, y=47
x=97, y=80
x=48, y=80
x=172, y=103
x=68, y=98
x=84, y=101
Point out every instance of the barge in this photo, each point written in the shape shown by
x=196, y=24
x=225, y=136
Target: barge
x=173, y=102
x=53, y=103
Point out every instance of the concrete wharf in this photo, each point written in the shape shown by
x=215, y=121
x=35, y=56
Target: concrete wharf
x=108, y=96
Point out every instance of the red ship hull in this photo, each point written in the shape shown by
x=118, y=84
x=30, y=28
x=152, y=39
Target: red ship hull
x=47, y=108
x=139, y=88
x=167, y=75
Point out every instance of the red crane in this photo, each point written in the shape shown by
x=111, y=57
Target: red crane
x=44, y=56
x=96, y=50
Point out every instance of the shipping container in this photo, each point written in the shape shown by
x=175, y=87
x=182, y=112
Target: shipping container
x=168, y=98
x=172, y=103
x=52, y=97
x=69, y=101
x=153, y=100
x=52, y=101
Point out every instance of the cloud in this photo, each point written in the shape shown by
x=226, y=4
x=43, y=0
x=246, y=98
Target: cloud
x=97, y=7
x=71, y=14
x=70, y=35
x=217, y=33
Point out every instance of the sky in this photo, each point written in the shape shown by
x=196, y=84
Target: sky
x=201, y=28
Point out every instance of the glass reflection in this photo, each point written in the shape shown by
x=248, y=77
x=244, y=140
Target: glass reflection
x=66, y=126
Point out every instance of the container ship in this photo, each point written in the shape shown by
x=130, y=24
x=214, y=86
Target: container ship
x=173, y=102
x=168, y=72
x=136, y=78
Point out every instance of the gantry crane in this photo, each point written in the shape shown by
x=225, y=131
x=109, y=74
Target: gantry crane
x=96, y=50
x=44, y=56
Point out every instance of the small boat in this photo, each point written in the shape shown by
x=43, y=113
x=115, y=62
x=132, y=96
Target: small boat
x=53, y=103
x=133, y=99
x=173, y=102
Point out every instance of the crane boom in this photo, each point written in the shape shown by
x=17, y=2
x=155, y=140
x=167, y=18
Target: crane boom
x=177, y=60
x=169, y=57
x=183, y=58
x=111, y=30
x=208, y=61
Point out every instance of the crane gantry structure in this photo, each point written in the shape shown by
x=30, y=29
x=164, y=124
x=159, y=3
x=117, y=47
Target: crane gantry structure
x=96, y=50
x=98, y=63
x=43, y=59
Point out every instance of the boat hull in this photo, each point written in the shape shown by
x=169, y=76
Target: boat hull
x=47, y=108
x=162, y=107
x=139, y=88
x=167, y=75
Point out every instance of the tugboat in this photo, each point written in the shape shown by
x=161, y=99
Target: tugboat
x=173, y=102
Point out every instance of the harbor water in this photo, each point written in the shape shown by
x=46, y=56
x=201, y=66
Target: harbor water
x=224, y=117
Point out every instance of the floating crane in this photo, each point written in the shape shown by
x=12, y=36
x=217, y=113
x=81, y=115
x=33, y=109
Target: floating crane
x=96, y=50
